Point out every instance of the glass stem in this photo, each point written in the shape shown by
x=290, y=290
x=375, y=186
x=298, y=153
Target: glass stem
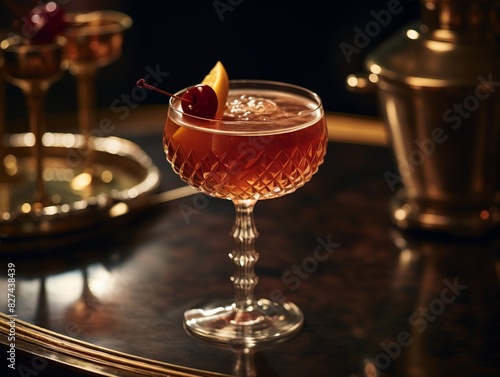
x=245, y=363
x=35, y=98
x=86, y=103
x=244, y=255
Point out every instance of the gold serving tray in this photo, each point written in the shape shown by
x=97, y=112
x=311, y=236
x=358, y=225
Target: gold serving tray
x=122, y=178
x=88, y=357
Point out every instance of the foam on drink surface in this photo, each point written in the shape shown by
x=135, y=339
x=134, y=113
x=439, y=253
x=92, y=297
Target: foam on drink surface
x=263, y=107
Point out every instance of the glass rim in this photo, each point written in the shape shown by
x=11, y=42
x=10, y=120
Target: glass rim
x=79, y=23
x=204, y=123
x=18, y=44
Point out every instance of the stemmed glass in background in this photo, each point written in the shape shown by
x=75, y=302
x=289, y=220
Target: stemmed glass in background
x=271, y=145
x=33, y=68
x=94, y=40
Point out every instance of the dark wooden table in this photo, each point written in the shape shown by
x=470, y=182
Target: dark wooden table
x=377, y=301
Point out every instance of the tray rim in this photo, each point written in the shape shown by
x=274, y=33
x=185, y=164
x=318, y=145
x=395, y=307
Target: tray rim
x=88, y=357
x=98, y=205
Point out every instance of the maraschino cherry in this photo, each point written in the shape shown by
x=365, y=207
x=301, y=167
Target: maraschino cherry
x=43, y=23
x=199, y=100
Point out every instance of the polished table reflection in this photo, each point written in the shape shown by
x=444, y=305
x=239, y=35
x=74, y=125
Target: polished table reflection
x=377, y=301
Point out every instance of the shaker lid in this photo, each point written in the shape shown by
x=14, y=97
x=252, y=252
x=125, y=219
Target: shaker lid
x=450, y=46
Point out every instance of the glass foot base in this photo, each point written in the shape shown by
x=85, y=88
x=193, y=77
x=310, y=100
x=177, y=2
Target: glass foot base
x=264, y=322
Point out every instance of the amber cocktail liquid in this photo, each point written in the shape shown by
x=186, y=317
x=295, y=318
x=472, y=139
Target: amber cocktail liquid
x=270, y=142
x=275, y=152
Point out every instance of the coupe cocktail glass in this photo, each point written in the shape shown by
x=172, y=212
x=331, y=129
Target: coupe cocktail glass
x=270, y=142
x=33, y=69
x=94, y=40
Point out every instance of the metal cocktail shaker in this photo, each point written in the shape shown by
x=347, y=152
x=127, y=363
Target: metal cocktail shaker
x=438, y=86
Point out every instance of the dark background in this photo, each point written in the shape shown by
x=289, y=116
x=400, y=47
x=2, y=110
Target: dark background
x=291, y=41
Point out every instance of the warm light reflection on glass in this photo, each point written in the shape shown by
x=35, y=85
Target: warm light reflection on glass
x=22, y=140
x=66, y=140
x=375, y=68
x=412, y=34
x=400, y=214
x=392, y=116
x=81, y=204
x=29, y=139
x=133, y=193
x=112, y=146
x=352, y=81
x=373, y=78
x=59, y=139
x=10, y=164
x=50, y=210
x=405, y=257
x=118, y=209
x=106, y=176
x=48, y=139
x=81, y=181
x=440, y=46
